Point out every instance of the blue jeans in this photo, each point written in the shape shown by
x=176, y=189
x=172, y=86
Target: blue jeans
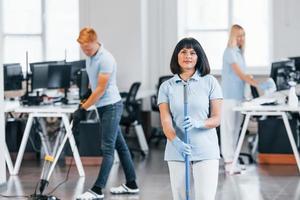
x=111, y=139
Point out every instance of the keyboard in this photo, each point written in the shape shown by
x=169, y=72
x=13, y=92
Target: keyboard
x=264, y=101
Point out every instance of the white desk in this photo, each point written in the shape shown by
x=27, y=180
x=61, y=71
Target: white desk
x=10, y=106
x=249, y=109
x=47, y=111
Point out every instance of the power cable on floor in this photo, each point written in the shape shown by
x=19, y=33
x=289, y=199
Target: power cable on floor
x=48, y=194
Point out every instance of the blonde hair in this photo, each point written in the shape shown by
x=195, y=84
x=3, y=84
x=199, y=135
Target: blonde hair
x=87, y=35
x=232, y=41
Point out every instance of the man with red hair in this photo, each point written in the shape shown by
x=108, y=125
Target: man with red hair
x=101, y=68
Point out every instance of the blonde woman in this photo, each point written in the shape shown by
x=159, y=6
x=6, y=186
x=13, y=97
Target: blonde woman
x=234, y=79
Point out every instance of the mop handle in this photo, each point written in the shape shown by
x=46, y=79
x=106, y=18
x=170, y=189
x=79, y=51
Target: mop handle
x=185, y=100
x=187, y=160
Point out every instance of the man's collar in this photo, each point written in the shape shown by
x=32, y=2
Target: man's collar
x=99, y=51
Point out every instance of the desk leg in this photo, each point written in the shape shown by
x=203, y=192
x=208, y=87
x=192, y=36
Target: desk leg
x=14, y=186
x=240, y=143
x=291, y=138
x=23, y=145
x=8, y=160
x=69, y=136
x=73, y=146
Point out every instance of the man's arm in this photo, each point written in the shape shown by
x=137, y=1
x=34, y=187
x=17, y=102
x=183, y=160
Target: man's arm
x=99, y=91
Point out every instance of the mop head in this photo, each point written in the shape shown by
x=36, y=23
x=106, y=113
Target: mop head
x=43, y=184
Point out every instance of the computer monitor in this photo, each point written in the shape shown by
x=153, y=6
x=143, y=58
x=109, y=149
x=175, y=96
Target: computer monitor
x=43, y=63
x=83, y=83
x=76, y=66
x=59, y=76
x=13, y=76
x=282, y=72
x=297, y=66
x=296, y=60
x=39, y=78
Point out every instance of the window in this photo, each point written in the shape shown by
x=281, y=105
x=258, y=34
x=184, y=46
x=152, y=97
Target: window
x=42, y=28
x=62, y=30
x=209, y=21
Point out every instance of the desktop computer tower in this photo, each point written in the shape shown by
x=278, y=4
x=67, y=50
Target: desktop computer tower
x=273, y=138
x=88, y=140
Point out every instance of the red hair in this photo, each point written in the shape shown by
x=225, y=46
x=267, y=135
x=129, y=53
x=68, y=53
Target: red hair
x=87, y=35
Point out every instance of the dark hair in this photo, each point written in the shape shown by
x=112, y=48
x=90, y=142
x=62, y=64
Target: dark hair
x=202, y=64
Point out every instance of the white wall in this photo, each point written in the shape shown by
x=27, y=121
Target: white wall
x=162, y=20
x=2, y=123
x=119, y=27
x=286, y=29
x=141, y=34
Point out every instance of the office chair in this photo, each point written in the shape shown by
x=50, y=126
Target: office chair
x=131, y=118
x=156, y=132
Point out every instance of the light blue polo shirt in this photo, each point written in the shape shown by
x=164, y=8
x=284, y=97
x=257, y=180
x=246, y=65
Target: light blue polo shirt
x=103, y=62
x=200, y=90
x=232, y=86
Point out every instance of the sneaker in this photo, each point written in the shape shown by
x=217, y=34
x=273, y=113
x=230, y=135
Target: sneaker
x=90, y=195
x=237, y=169
x=123, y=189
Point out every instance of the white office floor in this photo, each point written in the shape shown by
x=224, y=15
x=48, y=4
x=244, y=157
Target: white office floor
x=259, y=182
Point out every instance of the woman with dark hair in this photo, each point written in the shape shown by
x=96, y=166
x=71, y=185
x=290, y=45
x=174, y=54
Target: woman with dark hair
x=190, y=67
